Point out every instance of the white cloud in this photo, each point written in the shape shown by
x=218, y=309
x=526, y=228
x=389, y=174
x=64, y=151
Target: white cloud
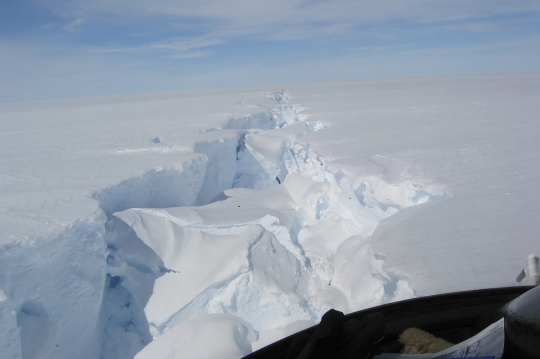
x=382, y=43
x=306, y=31
x=205, y=23
x=178, y=48
x=72, y=26
x=191, y=55
x=264, y=18
x=189, y=29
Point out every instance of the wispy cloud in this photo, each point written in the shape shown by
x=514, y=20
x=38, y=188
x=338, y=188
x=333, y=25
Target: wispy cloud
x=72, y=26
x=182, y=26
x=178, y=48
x=247, y=17
x=191, y=55
x=93, y=47
x=309, y=32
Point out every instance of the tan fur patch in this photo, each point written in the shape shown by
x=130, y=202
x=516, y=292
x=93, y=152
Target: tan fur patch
x=417, y=341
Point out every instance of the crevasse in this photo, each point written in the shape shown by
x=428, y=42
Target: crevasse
x=299, y=248
x=257, y=227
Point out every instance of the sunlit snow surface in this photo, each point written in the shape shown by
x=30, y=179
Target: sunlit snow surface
x=210, y=223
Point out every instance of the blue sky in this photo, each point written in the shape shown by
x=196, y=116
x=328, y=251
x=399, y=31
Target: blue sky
x=72, y=48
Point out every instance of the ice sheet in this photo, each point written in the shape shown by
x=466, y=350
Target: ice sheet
x=267, y=207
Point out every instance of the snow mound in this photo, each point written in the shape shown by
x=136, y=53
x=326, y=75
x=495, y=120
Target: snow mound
x=232, y=338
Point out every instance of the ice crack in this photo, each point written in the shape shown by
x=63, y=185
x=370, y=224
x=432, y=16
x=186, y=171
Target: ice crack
x=257, y=225
x=256, y=228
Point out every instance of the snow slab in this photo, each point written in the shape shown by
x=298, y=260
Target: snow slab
x=129, y=222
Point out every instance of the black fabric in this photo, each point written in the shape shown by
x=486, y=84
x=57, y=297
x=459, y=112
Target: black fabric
x=522, y=325
x=335, y=338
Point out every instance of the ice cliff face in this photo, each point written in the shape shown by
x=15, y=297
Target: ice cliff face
x=256, y=233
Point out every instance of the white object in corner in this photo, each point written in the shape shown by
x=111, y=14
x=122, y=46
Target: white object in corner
x=531, y=270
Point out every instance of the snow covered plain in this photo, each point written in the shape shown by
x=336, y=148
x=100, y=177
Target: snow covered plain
x=210, y=223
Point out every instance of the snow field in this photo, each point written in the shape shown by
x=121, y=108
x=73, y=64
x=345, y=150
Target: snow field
x=110, y=206
x=253, y=236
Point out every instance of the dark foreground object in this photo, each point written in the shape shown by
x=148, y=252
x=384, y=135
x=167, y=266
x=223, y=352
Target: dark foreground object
x=454, y=317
